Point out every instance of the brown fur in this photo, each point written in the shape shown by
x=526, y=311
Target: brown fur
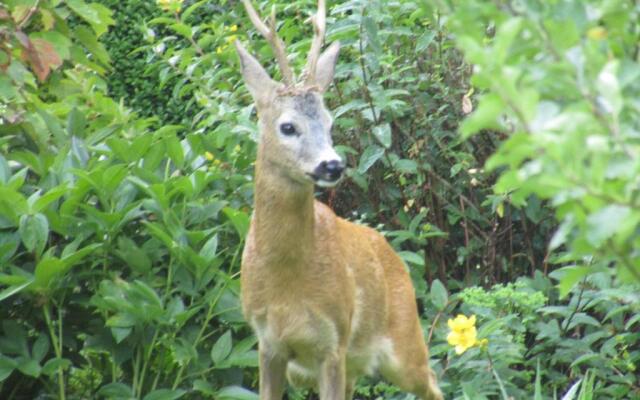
x=302, y=268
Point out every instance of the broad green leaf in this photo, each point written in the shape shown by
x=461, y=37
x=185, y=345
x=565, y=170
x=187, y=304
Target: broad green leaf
x=383, y=134
x=425, y=40
x=222, y=348
x=369, y=157
x=28, y=366
x=208, y=251
x=118, y=391
x=40, y=348
x=91, y=43
x=439, y=295
x=239, y=219
x=485, y=116
x=34, y=231
x=164, y=394
x=412, y=258
x=48, y=269
x=604, y=223
x=11, y=290
x=174, y=149
x=7, y=366
x=182, y=29
x=573, y=390
x=570, y=276
x=48, y=198
x=95, y=14
x=76, y=122
x=52, y=365
x=236, y=393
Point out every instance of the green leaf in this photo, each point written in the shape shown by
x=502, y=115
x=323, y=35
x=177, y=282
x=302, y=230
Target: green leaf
x=91, y=43
x=603, y=224
x=76, y=122
x=236, y=393
x=53, y=365
x=411, y=257
x=165, y=394
x=48, y=269
x=439, y=295
x=425, y=40
x=5, y=171
x=182, y=29
x=95, y=14
x=118, y=391
x=490, y=107
x=204, y=387
x=34, y=231
x=573, y=390
x=7, y=366
x=383, y=134
x=29, y=366
x=570, y=276
x=239, y=219
x=406, y=166
x=208, y=251
x=48, y=198
x=222, y=348
x=537, y=395
x=184, y=351
x=40, y=348
x=369, y=157
x=11, y=290
x=174, y=149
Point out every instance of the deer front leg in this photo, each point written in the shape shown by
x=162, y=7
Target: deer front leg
x=272, y=374
x=332, y=380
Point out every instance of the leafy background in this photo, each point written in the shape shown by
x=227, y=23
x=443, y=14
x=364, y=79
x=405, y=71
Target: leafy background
x=496, y=144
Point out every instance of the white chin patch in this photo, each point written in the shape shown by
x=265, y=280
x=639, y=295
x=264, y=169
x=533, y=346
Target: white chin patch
x=326, y=184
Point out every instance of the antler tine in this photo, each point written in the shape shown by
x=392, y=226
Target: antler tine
x=270, y=33
x=319, y=26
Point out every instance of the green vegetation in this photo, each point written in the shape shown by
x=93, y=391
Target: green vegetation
x=495, y=144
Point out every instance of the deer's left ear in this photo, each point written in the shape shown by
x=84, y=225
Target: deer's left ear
x=255, y=77
x=327, y=66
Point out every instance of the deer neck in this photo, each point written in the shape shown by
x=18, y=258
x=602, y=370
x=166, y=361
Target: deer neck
x=283, y=217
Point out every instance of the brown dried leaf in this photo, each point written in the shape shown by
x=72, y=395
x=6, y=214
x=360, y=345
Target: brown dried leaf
x=47, y=53
x=467, y=106
x=40, y=54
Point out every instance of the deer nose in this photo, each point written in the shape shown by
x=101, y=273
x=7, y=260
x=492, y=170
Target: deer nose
x=330, y=170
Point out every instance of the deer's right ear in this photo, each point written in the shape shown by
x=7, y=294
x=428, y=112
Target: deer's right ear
x=255, y=77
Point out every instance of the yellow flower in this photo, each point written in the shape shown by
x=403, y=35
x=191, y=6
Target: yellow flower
x=597, y=33
x=209, y=156
x=220, y=49
x=233, y=28
x=170, y=5
x=231, y=38
x=463, y=333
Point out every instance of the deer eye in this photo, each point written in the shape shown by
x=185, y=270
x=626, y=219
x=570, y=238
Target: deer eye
x=287, y=129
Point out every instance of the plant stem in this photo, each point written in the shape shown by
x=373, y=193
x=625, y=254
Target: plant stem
x=503, y=391
x=57, y=346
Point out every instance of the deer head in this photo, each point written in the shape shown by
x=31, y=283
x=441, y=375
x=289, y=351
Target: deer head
x=295, y=126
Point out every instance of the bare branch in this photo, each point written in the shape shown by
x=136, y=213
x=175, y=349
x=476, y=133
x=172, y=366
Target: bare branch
x=319, y=26
x=271, y=35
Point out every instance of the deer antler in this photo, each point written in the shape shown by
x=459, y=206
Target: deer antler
x=319, y=26
x=270, y=33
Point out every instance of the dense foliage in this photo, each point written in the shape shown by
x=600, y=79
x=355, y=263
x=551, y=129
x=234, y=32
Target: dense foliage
x=495, y=144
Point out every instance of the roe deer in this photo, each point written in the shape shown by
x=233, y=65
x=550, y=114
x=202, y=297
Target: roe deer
x=329, y=300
